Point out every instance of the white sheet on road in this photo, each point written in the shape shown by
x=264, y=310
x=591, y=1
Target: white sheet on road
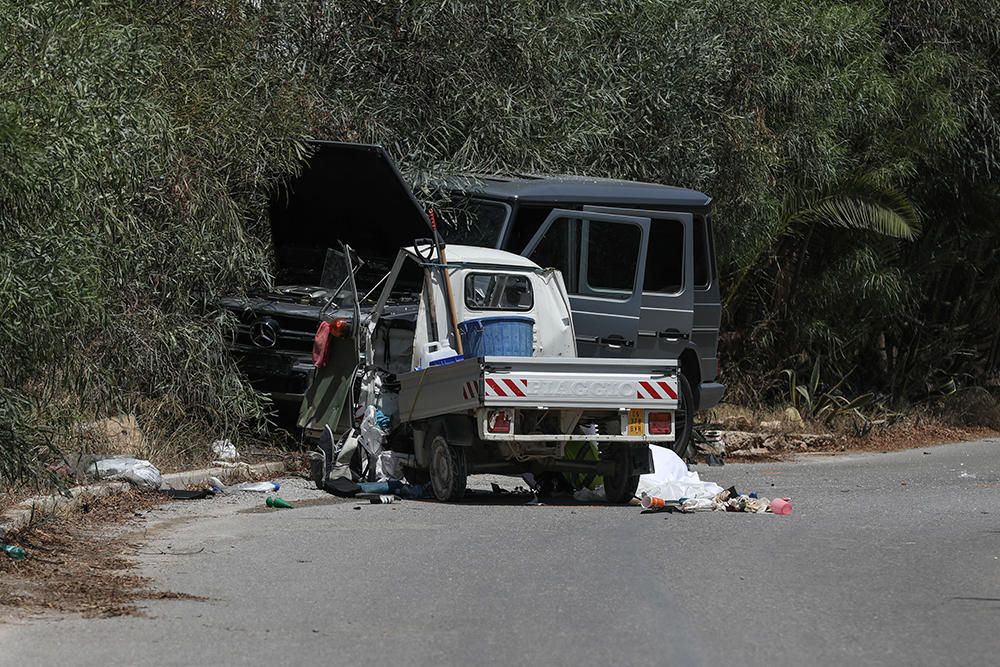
x=671, y=479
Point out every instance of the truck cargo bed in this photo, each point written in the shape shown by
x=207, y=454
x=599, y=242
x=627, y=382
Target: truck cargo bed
x=538, y=382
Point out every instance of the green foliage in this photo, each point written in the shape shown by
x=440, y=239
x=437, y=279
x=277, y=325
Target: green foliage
x=136, y=145
x=852, y=150
x=823, y=404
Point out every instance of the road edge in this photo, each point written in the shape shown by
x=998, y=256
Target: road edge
x=28, y=511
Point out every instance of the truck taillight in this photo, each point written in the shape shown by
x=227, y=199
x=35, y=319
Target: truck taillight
x=661, y=423
x=498, y=421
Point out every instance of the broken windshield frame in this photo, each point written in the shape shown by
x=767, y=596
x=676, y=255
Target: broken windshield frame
x=337, y=273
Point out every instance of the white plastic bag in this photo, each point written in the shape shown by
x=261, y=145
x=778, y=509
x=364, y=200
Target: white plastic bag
x=140, y=472
x=389, y=465
x=224, y=450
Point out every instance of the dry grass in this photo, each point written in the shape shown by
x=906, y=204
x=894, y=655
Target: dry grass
x=81, y=562
x=909, y=432
x=778, y=437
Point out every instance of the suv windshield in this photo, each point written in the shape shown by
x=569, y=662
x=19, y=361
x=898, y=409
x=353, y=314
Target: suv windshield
x=475, y=222
x=335, y=274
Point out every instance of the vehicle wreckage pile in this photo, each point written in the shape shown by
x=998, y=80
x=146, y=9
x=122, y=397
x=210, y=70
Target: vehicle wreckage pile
x=566, y=332
x=440, y=390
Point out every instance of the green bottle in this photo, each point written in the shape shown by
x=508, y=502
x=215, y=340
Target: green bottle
x=276, y=502
x=17, y=553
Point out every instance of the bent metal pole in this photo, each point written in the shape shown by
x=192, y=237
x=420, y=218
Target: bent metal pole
x=452, y=314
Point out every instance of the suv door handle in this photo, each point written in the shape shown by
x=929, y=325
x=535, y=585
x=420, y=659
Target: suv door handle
x=673, y=334
x=615, y=340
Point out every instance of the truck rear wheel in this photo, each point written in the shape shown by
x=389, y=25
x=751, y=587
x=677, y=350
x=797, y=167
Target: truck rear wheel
x=620, y=484
x=448, y=471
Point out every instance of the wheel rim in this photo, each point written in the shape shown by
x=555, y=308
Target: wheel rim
x=441, y=472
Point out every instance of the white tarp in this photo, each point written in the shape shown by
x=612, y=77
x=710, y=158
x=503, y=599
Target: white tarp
x=671, y=479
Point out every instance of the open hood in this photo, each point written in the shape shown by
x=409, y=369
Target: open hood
x=346, y=192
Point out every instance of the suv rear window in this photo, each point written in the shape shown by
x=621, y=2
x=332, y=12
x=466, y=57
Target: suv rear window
x=498, y=291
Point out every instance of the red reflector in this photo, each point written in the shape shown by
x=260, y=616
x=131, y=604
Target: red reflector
x=340, y=327
x=498, y=421
x=660, y=423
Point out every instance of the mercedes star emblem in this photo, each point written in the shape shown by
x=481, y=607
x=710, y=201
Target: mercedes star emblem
x=264, y=332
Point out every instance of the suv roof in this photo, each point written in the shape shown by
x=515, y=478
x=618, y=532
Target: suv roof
x=579, y=189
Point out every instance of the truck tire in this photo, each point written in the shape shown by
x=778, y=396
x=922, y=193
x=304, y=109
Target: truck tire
x=683, y=418
x=620, y=484
x=447, y=469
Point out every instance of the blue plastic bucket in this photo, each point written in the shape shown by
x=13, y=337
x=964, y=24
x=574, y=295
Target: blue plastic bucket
x=497, y=337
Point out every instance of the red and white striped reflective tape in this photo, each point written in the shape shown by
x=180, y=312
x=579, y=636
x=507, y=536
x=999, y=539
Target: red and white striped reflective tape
x=470, y=391
x=506, y=387
x=658, y=390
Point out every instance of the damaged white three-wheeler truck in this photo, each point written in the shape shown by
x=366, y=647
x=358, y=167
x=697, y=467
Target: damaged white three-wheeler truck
x=467, y=364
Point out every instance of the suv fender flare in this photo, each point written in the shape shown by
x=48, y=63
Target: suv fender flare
x=690, y=365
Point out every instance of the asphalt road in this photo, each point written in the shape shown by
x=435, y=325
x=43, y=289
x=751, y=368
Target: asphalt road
x=887, y=559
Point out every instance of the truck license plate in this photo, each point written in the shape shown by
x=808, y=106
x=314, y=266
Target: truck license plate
x=636, y=425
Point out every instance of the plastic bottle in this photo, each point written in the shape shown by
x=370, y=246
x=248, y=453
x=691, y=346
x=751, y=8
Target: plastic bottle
x=17, y=553
x=260, y=487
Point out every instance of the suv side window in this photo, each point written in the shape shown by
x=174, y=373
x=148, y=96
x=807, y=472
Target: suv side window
x=596, y=258
x=665, y=263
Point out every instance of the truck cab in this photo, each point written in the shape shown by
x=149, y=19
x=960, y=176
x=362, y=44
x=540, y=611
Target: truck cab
x=469, y=365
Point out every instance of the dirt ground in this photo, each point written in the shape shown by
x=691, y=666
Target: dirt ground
x=80, y=562
x=776, y=440
x=908, y=436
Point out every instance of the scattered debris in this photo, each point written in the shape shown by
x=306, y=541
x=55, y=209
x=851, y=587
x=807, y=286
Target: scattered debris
x=224, y=451
x=728, y=500
x=757, y=444
x=278, y=503
x=80, y=562
x=184, y=494
x=379, y=498
x=140, y=472
x=257, y=487
x=675, y=488
x=586, y=495
x=781, y=506
x=17, y=553
x=671, y=478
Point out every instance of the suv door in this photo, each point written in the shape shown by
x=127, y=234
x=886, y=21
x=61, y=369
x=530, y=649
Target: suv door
x=602, y=258
x=666, y=315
